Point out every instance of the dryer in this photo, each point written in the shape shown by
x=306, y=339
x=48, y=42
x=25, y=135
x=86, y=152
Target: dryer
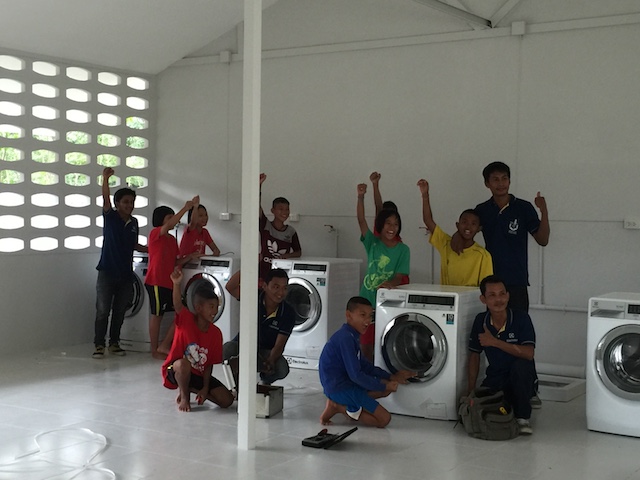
x=134, y=334
x=217, y=271
x=318, y=290
x=425, y=328
x=613, y=364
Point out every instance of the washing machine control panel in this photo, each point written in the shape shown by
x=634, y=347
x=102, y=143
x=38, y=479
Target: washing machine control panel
x=613, y=308
x=405, y=299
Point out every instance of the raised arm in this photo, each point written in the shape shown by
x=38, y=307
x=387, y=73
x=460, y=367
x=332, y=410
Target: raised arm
x=427, y=214
x=263, y=177
x=195, y=217
x=377, y=196
x=544, y=230
x=106, y=193
x=176, y=278
x=362, y=221
x=173, y=221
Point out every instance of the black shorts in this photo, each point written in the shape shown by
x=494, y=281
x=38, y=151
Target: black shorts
x=160, y=299
x=196, y=382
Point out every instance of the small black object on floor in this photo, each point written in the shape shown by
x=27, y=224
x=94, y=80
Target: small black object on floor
x=325, y=439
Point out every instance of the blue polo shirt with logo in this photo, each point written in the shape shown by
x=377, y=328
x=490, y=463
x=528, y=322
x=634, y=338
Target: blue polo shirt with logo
x=281, y=321
x=517, y=330
x=120, y=238
x=506, y=236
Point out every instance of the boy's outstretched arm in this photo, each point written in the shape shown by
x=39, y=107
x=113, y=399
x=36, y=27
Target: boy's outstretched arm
x=263, y=177
x=106, y=200
x=427, y=214
x=176, y=294
x=544, y=230
x=362, y=221
x=377, y=196
x=194, y=213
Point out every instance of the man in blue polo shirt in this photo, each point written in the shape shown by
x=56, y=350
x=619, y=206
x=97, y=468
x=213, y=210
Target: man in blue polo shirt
x=114, y=288
x=276, y=319
x=507, y=222
x=508, y=340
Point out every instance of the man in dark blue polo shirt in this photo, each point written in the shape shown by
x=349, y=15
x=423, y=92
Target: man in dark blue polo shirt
x=276, y=319
x=507, y=222
x=508, y=340
x=114, y=288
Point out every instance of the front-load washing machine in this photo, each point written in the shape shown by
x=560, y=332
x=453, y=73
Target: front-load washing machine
x=425, y=329
x=318, y=291
x=613, y=364
x=134, y=334
x=217, y=271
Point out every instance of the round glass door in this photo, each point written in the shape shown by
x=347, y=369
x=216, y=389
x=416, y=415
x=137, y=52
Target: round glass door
x=192, y=285
x=305, y=300
x=618, y=361
x=138, y=296
x=414, y=342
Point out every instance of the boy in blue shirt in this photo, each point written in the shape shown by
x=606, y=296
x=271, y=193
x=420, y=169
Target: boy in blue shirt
x=351, y=383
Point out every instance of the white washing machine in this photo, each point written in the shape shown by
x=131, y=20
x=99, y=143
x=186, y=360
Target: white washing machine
x=134, y=334
x=425, y=328
x=318, y=290
x=613, y=364
x=217, y=271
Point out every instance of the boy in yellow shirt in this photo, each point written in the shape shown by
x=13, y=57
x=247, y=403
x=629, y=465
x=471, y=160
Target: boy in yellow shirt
x=474, y=263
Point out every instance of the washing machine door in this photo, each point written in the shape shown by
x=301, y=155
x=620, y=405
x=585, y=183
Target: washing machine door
x=618, y=361
x=192, y=285
x=306, y=303
x=138, y=296
x=413, y=341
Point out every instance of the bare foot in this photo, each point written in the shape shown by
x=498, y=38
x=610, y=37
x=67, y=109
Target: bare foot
x=330, y=410
x=158, y=355
x=183, y=404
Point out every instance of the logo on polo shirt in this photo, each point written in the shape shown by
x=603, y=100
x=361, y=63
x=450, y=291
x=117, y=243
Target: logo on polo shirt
x=513, y=226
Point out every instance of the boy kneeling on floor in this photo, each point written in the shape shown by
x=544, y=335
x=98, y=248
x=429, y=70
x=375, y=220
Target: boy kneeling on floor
x=352, y=383
x=196, y=347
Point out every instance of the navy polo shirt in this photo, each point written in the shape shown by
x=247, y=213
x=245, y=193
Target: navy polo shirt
x=517, y=330
x=281, y=322
x=120, y=238
x=506, y=237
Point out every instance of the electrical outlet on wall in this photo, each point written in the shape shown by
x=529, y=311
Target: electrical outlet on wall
x=632, y=223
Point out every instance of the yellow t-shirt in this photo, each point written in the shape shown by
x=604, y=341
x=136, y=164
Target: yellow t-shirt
x=466, y=269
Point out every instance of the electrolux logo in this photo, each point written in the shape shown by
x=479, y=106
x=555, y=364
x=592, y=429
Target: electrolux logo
x=297, y=361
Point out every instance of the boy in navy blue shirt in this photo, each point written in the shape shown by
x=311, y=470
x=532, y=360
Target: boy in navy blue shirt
x=508, y=340
x=115, y=269
x=351, y=383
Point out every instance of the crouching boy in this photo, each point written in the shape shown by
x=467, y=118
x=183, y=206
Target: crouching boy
x=351, y=383
x=196, y=347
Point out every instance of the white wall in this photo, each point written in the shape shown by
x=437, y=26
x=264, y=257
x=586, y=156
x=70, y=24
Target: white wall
x=561, y=108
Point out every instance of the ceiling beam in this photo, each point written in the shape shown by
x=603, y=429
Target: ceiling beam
x=456, y=12
x=503, y=11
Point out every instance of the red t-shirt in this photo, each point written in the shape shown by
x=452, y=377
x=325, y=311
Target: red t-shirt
x=194, y=241
x=200, y=348
x=163, y=251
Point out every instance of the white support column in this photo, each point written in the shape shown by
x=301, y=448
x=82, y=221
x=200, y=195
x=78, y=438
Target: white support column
x=249, y=245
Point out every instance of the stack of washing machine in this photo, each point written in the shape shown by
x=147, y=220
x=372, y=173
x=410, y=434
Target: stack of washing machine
x=425, y=328
x=319, y=289
x=613, y=364
x=216, y=271
x=134, y=334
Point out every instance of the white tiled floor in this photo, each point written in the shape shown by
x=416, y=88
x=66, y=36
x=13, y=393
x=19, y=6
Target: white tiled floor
x=123, y=399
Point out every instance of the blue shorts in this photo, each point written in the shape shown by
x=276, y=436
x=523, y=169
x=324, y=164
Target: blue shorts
x=354, y=398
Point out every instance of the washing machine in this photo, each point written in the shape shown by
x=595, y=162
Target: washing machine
x=134, y=334
x=216, y=271
x=425, y=328
x=318, y=291
x=613, y=364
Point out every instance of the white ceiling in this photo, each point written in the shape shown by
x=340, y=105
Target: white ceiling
x=147, y=36
x=144, y=36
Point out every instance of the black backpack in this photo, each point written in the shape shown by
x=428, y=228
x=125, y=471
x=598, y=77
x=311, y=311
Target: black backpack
x=486, y=415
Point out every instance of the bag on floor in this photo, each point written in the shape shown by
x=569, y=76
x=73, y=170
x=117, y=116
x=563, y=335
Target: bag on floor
x=486, y=415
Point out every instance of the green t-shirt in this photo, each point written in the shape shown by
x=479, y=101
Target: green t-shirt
x=383, y=264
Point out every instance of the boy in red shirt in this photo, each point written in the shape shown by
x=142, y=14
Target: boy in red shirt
x=196, y=238
x=197, y=346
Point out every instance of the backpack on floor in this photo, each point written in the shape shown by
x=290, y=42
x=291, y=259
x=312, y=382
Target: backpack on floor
x=484, y=414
